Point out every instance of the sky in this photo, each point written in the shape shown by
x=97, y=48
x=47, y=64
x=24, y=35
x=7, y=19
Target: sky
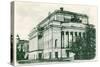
x=29, y=14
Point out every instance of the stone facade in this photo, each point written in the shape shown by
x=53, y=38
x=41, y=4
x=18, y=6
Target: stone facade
x=52, y=37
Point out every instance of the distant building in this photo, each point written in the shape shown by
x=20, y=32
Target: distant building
x=51, y=38
x=22, y=49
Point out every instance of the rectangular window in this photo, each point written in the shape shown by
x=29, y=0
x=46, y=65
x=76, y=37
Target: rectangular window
x=55, y=43
x=40, y=56
x=75, y=33
x=80, y=34
x=56, y=54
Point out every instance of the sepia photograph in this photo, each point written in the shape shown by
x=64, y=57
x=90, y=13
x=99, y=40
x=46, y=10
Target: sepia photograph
x=52, y=32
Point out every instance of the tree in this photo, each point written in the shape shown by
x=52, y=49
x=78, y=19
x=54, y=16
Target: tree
x=84, y=47
x=77, y=47
x=90, y=41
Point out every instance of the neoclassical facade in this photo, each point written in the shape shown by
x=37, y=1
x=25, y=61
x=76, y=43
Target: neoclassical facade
x=51, y=39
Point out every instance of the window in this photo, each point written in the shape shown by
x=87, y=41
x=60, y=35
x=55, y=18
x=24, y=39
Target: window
x=80, y=34
x=75, y=33
x=55, y=43
x=56, y=54
x=40, y=56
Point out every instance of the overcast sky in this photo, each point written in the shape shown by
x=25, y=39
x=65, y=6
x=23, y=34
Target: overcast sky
x=29, y=14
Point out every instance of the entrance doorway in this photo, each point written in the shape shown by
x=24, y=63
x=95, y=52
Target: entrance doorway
x=40, y=56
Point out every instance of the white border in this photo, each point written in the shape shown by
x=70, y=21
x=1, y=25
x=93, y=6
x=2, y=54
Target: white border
x=5, y=32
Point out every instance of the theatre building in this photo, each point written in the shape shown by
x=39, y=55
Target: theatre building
x=51, y=39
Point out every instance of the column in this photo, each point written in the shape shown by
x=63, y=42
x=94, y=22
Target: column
x=67, y=39
x=63, y=51
x=70, y=38
x=73, y=36
x=62, y=39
